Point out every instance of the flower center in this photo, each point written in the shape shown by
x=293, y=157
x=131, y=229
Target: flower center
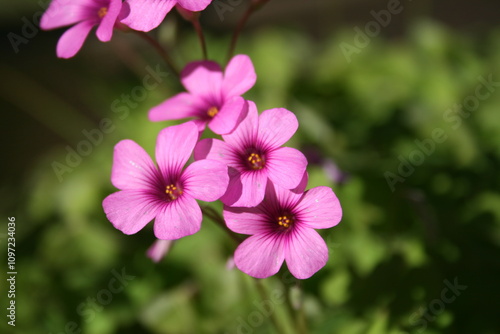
x=212, y=111
x=173, y=192
x=286, y=221
x=102, y=12
x=256, y=161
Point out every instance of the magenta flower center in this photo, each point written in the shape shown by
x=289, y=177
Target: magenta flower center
x=212, y=111
x=102, y=12
x=286, y=221
x=256, y=161
x=173, y=192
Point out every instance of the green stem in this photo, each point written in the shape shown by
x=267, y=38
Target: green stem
x=201, y=37
x=296, y=313
x=217, y=218
x=163, y=53
x=264, y=296
x=301, y=320
x=254, y=6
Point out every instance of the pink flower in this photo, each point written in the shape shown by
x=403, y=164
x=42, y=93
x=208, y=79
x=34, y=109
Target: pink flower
x=213, y=97
x=167, y=193
x=146, y=15
x=254, y=154
x=84, y=14
x=282, y=229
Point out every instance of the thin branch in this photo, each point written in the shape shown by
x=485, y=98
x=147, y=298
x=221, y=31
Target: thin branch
x=264, y=296
x=217, y=218
x=201, y=37
x=163, y=53
x=254, y=6
x=296, y=311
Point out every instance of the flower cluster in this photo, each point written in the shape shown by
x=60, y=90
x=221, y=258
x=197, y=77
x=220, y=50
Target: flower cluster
x=261, y=182
x=140, y=15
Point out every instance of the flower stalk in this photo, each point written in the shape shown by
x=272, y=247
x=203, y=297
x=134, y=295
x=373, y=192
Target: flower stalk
x=254, y=6
x=163, y=53
x=201, y=36
x=296, y=309
x=264, y=296
x=209, y=212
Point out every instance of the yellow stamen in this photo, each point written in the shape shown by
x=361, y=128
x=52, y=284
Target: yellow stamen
x=172, y=192
x=285, y=221
x=102, y=12
x=255, y=161
x=212, y=111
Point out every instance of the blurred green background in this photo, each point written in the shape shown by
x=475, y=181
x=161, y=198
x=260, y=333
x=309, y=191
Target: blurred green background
x=419, y=181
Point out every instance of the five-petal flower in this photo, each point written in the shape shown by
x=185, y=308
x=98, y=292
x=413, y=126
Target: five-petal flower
x=254, y=155
x=84, y=14
x=213, y=97
x=282, y=229
x=167, y=193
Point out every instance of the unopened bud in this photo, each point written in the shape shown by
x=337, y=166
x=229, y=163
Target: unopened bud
x=159, y=249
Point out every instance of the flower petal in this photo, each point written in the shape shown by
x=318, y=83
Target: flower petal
x=194, y=5
x=204, y=78
x=159, y=249
x=260, y=255
x=239, y=76
x=179, y=106
x=278, y=198
x=130, y=210
x=206, y=180
x=319, y=208
x=186, y=14
x=174, y=147
x=234, y=188
x=246, y=220
x=302, y=185
x=230, y=115
x=246, y=189
x=64, y=13
x=276, y=127
x=147, y=15
x=105, y=29
x=178, y=219
x=305, y=252
x=245, y=134
x=132, y=167
x=201, y=124
x=215, y=149
x=72, y=40
x=286, y=167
